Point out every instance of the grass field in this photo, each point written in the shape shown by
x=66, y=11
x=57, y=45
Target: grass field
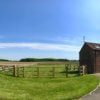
x=19, y=88
x=13, y=88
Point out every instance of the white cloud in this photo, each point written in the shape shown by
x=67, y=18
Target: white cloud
x=72, y=40
x=42, y=46
x=77, y=41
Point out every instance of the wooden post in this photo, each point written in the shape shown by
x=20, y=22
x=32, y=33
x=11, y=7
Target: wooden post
x=53, y=70
x=14, y=70
x=23, y=72
x=79, y=70
x=66, y=68
x=38, y=72
x=17, y=71
x=83, y=70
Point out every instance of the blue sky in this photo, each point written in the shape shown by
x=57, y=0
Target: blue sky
x=47, y=28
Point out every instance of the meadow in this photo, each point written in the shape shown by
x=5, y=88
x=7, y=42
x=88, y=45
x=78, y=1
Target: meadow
x=46, y=88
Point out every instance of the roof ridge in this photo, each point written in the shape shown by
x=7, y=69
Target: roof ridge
x=93, y=45
x=92, y=42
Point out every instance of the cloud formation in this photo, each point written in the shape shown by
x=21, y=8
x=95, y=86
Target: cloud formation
x=42, y=46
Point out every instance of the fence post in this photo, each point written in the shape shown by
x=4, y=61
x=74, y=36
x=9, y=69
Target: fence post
x=84, y=69
x=38, y=72
x=53, y=71
x=17, y=71
x=14, y=70
x=66, y=68
x=79, y=70
x=23, y=71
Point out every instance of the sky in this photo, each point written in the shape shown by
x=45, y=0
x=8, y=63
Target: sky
x=47, y=28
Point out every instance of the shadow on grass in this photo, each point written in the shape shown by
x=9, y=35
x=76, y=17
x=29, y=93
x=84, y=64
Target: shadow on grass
x=71, y=72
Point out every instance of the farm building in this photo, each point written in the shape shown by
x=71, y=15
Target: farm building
x=90, y=56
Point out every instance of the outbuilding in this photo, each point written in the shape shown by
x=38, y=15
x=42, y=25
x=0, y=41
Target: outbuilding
x=90, y=56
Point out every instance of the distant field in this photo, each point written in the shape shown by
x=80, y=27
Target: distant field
x=47, y=62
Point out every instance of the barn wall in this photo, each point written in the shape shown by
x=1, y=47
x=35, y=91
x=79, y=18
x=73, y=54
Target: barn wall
x=97, y=61
x=87, y=57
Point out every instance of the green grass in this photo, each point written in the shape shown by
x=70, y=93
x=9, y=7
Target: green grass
x=14, y=88
x=19, y=88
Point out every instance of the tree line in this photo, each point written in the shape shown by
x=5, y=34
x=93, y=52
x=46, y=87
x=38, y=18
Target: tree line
x=41, y=59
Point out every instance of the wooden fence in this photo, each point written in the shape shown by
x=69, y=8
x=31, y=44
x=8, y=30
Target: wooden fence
x=30, y=71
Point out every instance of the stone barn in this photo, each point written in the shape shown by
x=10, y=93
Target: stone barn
x=90, y=56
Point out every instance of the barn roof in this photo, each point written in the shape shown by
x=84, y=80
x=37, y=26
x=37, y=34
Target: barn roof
x=95, y=46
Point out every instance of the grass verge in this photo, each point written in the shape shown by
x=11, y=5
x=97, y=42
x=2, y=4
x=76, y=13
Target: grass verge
x=13, y=88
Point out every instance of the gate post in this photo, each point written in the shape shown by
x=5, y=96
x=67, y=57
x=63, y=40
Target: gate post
x=66, y=69
x=14, y=70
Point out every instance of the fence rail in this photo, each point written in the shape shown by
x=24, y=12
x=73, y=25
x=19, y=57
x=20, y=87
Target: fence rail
x=37, y=71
